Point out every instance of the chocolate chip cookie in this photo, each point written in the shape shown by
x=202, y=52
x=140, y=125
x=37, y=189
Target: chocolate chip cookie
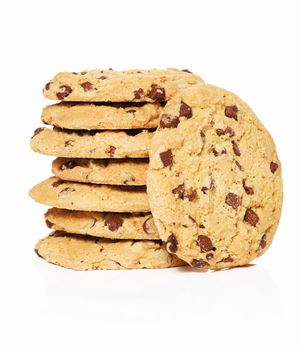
x=130, y=172
x=214, y=184
x=89, y=253
x=99, y=116
x=78, y=196
x=57, y=142
x=127, y=86
x=107, y=225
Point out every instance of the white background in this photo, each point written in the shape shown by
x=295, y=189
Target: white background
x=249, y=47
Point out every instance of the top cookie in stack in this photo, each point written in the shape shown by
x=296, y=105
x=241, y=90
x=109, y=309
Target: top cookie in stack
x=102, y=133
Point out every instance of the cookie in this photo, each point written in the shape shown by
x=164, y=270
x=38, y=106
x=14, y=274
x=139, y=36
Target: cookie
x=214, y=184
x=102, y=171
x=58, y=193
x=107, y=225
x=92, y=144
x=89, y=253
x=111, y=86
x=95, y=116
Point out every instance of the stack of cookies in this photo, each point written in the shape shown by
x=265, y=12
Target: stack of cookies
x=101, y=136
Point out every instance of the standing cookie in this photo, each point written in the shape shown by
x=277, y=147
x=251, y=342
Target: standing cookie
x=214, y=183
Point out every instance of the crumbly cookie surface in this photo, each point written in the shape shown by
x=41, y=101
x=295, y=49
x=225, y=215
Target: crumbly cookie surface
x=93, y=116
x=89, y=253
x=130, y=172
x=126, y=86
x=58, y=193
x=214, y=183
x=106, y=225
x=92, y=144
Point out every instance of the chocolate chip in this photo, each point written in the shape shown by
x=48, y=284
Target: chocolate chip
x=157, y=93
x=201, y=226
x=231, y=112
x=70, y=164
x=251, y=217
x=56, y=183
x=225, y=131
x=65, y=91
x=149, y=226
x=166, y=157
x=87, y=86
x=233, y=200
x=37, y=131
x=248, y=190
x=185, y=110
x=200, y=263
x=83, y=72
x=204, y=189
x=69, y=143
x=66, y=191
x=202, y=134
x=113, y=223
x=192, y=219
x=263, y=242
x=169, y=121
x=49, y=223
x=209, y=256
x=138, y=93
x=236, y=149
x=179, y=190
x=238, y=165
x=190, y=194
x=186, y=71
x=171, y=244
x=111, y=150
x=226, y=260
x=131, y=111
x=204, y=243
x=216, y=153
x=47, y=86
x=273, y=167
x=103, y=77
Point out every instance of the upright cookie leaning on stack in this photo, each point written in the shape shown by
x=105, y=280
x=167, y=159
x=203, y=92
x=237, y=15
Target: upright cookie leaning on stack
x=214, y=182
x=104, y=115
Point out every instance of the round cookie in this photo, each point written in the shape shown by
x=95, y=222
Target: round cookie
x=107, y=225
x=89, y=253
x=130, y=172
x=214, y=183
x=111, y=86
x=57, y=193
x=92, y=144
x=94, y=116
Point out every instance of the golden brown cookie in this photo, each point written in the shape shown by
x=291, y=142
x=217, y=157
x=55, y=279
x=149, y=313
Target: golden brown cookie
x=92, y=144
x=130, y=172
x=78, y=196
x=106, y=225
x=214, y=183
x=89, y=253
x=152, y=85
x=96, y=116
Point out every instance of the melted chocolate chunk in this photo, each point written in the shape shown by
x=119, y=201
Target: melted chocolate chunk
x=185, y=110
x=57, y=182
x=87, y=86
x=273, y=167
x=166, y=157
x=231, y=112
x=251, y=217
x=236, y=149
x=172, y=244
x=113, y=223
x=64, y=92
x=233, y=200
x=156, y=93
x=169, y=121
x=200, y=263
x=204, y=243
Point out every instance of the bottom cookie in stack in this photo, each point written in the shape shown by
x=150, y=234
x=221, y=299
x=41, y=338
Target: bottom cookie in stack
x=111, y=227
x=80, y=252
